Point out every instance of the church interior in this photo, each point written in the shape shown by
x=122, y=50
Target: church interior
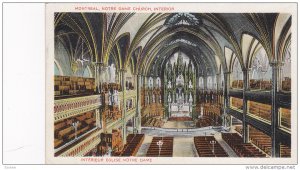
x=172, y=84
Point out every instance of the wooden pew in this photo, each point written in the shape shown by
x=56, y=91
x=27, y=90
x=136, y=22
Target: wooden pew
x=205, y=149
x=261, y=140
x=134, y=141
x=57, y=143
x=235, y=141
x=166, y=149
x=285, y=151
x=64, y=131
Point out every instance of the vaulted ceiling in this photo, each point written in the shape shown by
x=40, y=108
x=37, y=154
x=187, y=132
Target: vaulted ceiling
x=144, y=42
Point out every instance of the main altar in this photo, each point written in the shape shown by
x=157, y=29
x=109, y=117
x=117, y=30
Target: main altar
x=179, y=87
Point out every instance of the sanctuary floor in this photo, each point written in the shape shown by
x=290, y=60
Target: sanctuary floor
x=179, y=124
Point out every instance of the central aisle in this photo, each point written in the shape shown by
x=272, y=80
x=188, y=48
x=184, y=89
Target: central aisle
x=184, y=147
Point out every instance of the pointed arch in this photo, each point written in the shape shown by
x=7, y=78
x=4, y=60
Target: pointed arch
x=58, y=67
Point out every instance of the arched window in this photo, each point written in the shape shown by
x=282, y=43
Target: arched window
x=57, y=71
x=150, y=82
x=158, y=84
x=237, y=74
x=209, y=82
x=215, y=82
x=112, y=73
x=260, y=72
x=221, y=79
x=87, y=73
x=201, y=83
x=286, y=71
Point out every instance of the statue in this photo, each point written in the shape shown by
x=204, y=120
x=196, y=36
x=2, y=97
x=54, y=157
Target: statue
x=150, y=82
x=190, y=84
x=147, y=99
x=158, y=82
x=191, y=98
x=109, y=98
x=169, y=98
x=115, y=97
x=169, y=85
x=153, y=98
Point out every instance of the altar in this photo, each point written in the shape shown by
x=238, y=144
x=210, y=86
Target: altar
x=180, y=110
x=180, y=87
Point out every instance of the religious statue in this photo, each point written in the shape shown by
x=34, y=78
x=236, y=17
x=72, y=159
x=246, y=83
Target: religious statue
x=115, y=97
x=147, y=99
x=158, y=82
x=191, y=98
x=169, y=98
x=190, y=84
x=109, y=98
x=169, y=85
x=153, y=98
x=150, y=82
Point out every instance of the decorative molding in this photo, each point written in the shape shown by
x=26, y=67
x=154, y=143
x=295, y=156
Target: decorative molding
x=70, y=107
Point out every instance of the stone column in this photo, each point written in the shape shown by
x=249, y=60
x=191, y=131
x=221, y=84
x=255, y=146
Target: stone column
x=138, y=104
x=226, y=97
x=274, y=112
x=103, y=71
x=217, y=90
x=100, y=76
x=245, y=107
x=123, y=71
x=97, y=76
x=98, y=118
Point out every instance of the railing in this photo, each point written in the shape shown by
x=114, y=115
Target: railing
x=118, y=122
x=182, y=129
x=81, y=137
x=65, y=108
x=83, y=147
x=130, y=93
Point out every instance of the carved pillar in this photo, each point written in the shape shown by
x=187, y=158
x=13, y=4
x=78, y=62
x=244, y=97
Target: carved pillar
x=245, y=107
x=274, y=112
